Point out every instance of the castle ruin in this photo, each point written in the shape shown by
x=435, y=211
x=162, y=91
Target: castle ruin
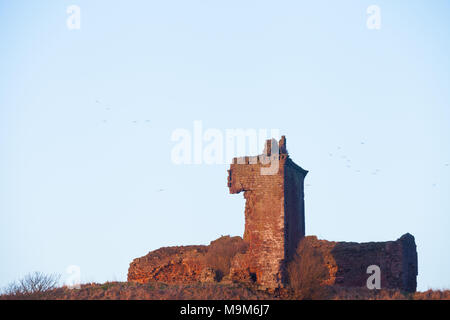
x=272, y=185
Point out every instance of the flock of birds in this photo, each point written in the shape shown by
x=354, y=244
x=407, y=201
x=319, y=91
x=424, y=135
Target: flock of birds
x=107, y=108
x=346, y=160
x=348, y=165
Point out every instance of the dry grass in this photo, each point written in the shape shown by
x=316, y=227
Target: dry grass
x=307, y=273
x=215, y=291
x=221, y=252
x=149, y=291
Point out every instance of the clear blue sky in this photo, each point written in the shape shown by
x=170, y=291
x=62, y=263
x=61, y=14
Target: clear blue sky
x=86, y=118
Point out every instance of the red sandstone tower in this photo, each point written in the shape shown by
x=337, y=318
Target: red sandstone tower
x=274, y=212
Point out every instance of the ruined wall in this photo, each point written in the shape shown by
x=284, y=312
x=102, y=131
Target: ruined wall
x=315, y=263
x=346, y=262
x=188, y=264
x=181, y=264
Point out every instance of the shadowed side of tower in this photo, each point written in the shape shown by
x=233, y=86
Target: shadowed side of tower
x=294, y=206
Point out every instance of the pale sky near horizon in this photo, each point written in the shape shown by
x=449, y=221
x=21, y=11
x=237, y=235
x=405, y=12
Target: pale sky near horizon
x=86, y=118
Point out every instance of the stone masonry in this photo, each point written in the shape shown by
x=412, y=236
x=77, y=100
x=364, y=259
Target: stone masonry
x=274, y=210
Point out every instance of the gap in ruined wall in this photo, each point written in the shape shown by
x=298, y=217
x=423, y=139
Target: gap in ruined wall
x=238, y=217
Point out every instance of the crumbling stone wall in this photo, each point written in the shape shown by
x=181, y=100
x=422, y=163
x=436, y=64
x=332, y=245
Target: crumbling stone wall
x=188, y=264
x=347, y=262
x=274, y=212
x=183, y=264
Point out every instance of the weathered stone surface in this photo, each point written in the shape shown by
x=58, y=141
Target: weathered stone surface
x=347, y=262
x=188, y=264
x=240, y=270
x=274, y=211
x=170, y=264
